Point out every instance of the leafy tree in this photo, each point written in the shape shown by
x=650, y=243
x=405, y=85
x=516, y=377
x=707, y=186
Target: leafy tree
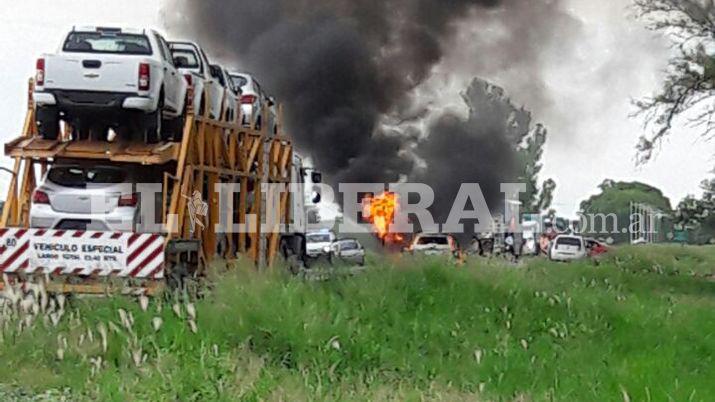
x=546, y=196
x=615, y=198
x=690, y=79
x=534, y=200
x=698, y=215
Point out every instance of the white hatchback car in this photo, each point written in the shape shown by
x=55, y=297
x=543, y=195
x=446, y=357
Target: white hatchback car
x=567, y=248
x=82, y=196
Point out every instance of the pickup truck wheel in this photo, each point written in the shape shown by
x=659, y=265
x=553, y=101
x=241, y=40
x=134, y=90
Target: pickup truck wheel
x=48, y=123
x=152, y=131
x=174, y=130
x=154, y=122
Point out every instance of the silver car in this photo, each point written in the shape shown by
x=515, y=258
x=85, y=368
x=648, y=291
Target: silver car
x=253, y=100
x=350, y=251
x=83, y=196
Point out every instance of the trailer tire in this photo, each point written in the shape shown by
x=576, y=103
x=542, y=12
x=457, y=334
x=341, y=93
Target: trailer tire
x=176, y=279
x=222, y=245
x=48, y=122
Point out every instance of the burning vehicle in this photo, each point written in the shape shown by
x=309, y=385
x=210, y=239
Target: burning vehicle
x=380, y=211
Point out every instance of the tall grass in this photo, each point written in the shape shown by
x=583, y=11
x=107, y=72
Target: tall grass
x=635, y=326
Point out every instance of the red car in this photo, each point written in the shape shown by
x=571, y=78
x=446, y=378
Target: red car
x=595, y=247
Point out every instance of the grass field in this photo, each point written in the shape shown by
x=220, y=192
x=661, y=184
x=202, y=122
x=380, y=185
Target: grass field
x=635, y=326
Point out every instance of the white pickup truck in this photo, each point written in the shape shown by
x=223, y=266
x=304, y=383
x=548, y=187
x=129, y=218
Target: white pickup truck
x=230, y=93
x=254, y=101
x=103, y=78
x=192, y=62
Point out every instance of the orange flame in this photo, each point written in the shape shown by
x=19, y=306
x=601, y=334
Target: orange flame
x=380, y=211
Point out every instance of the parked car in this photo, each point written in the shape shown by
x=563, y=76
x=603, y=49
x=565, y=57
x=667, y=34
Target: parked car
x=350, y=251
x=253, y=100
x=103, y=78
x=193, y=63
x=433, y=244
x=595, y=248
x=228, y=91
x=77, y=195
x=319, y=243
x=567, y=248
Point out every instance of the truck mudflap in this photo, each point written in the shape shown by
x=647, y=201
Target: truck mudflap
x=82, y=253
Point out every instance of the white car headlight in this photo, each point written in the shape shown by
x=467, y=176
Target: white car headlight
x=326, y=249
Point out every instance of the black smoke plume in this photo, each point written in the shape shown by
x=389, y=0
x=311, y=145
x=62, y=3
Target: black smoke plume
x=345, y=68
x=336, y=65
x=482, y=148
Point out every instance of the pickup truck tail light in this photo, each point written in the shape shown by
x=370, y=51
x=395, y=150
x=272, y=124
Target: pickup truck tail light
x=144, y=76
x=40, y=197
x=40, y=73
x=248, y=99
x=128, y=200
x=189, y=79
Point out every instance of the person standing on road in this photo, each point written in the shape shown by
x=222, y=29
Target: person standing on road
x=510, y=247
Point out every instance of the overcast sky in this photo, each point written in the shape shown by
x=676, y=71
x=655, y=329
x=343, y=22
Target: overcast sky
x=611, y=60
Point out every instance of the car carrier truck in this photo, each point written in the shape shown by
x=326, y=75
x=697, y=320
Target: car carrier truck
x=211, y=151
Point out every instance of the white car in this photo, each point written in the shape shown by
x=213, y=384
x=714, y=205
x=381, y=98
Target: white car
x=253, y=100
x=103, y=78
x=193, y=63
x=77, y=195
x=319, y=243
x=567, y=248
x=433, y=244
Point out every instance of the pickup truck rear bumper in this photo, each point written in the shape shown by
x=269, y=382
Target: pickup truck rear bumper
x=82, y=102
